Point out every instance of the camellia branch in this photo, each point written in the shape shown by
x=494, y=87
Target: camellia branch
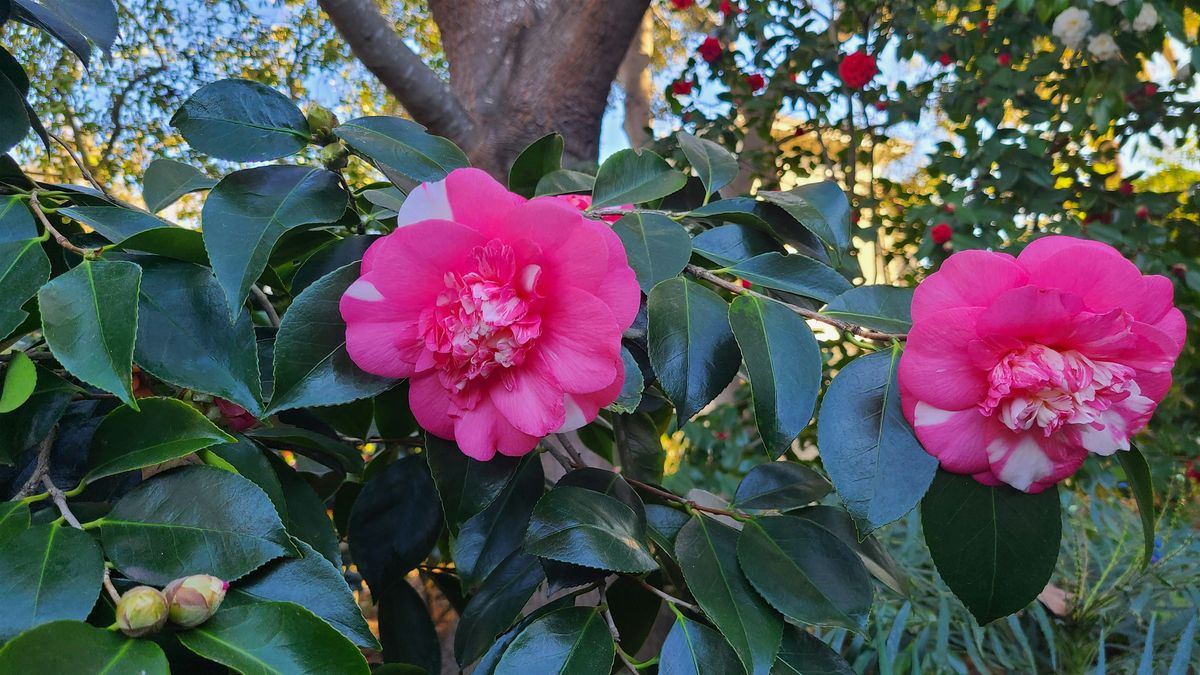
x=663, y=594
x=264, y=303
x=701, y=273
x=688, y=503
x=40, y=466
x=60, y=502
x=58, y=236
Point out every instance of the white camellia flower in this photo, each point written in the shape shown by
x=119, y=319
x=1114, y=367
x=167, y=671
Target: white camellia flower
x=1103, y=47
x=1072, y=26
x=1146, y=19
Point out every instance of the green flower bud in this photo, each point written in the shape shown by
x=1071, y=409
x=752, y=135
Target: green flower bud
x=321, y=122
x=194, y=599
x=141, y=611
x=335, y=156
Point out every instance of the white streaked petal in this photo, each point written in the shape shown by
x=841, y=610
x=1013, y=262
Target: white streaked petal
x=365, y=291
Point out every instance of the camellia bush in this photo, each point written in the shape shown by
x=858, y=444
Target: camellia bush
x=223, y=443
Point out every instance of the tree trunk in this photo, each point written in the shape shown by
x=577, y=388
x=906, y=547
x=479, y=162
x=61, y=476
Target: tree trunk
x=634, y=77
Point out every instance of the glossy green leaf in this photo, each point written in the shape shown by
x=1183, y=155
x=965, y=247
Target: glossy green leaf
x=180, y=522
x=541, y=157
x=490, y=536
x=51, y=572
x=691, y=346
x=822, y=208
x=884, y=308
x=1137, y=472
x=312, y=367
x=166, y=180
x=805, y=572
x=114, y=223
x=874, y=556
x=24, y=267
x=242, y=121
x=733, y=243
x=707, y=554
x=14, y=121
x=639, y=449
x=715, y=166
x=319, y=447
x=273, y=638
x=32, y=421
x=632, y=385
x=16, y=222
x=406, y=628
x=314, y=583
x=691, y=648
x=793, y=273
x=487, y=665
x=14, y=518
x=466, y=486
x=20, y=379
x=165, y=429
x=307, y=517
x=76, y=647
x=330, y=258
x=780, y=486
x=658, y=247
x=663, y=524
x=250, y=461
x=564, y=181
x=872, y=456
x=89, y=318
x=633, y=177
x=249, y=210
x=497, y=605
x=395, y=522
x=569, y=641
x=995, y=547
x=403, y=146
x=803, y=653
x=783, y=363
x=578, y=526
x=97, y=21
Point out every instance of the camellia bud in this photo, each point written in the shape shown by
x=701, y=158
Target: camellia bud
x=321, y=122
x=335, y=156
x=141, y=611
x=193, y=600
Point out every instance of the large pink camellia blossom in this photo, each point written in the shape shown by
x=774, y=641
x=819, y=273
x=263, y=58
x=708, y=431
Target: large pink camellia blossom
x=505, y=314
x=1017, y=368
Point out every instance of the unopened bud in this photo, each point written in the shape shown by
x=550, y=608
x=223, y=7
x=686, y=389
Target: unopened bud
x=335, y=156
x=321, y=122
x=193, y=600
x=141, y=611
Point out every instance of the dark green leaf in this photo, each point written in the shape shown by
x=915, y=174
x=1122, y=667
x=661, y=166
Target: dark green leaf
x=578, y=526
x=692, y=648
x=564, y=181
x=329, y=258
x=876, y=463
x=403, y=146
x=185, y=337
x=395, y=522
x=29, y=424
x=20, y=379
x=24, y=267
x=166, y=181
x=632, y=385
x=713, y=164
x=180, y=523
x=114, y=223
x=731, y=244
x=793, y=273
x=632, y=177
x=783, y=363
x=995, y=547
x=269, y=638
x=97, y=21
x=16, y=222
x=663, y=524
x=172, y=242
x=780, y=486
x=658, y=247
x=165, y=429
x=89, y=318
x=14, y=518
x=707, y=554
x=306, y=519
x=873, y=555
x=76, y=647
x=319, y=447
x=14, y=120
x=541, y=157
x=822, y=208
x=51, y=572
x=242, y=121
x=569, y=641
x=640, y=453
x=884, y=308
x=466, y=486
x=487, y=665
x=491, y=535
x=53, y=23
x=803, y=653
x=691, y=346
x=406, y=629
x=250, y=462
x=496, y=606
x=1137, y=472
x=312, y=367
x=805, y=572
x=249, y=210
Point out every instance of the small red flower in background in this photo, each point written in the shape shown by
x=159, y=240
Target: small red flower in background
x=984, y=25
x=682, y=4
x=855, y=217
x=1126, y=188
x=857, y=69
x=1142, y=213
x=881, y=105
x=945, y=59
x=729, y=9
x=1150, y=89
x=1004, y=59
x=1193, y=473
x=681, y=87
x=756, y=81
x=948, y=208
x=236, y=417
x=941, y=233
x=710, y=50
x=982, y=102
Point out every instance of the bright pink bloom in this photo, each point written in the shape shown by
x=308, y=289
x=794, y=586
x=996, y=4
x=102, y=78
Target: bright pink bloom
x=1017, y=368
x=236, y=417
x=857, y=69
x=506, y=315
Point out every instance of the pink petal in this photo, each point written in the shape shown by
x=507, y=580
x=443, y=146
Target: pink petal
x=387, y=348
x=1173, y=325
x=619, y=289
x=1158, y=298
x=1042, y=315
x=410, y=264
x=582, y=408
x=1031, y=462
x=966, y=279
x=430, y=404
x=1098, y=276
x=529, y=401
x=958, y=438
x=580, y=345
x=937, y=366
x=1040, y=250
x=467, y=196
x=484, y=431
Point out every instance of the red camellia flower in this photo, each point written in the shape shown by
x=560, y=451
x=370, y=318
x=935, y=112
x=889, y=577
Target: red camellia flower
x=236, y=417
x=1004, y=59
x=1142, y=213
x=1125, y=188
x=1150, y=89
x=755, y=81
x=681, y=87
x=948, y=208
x=1017, y=368
x=945, y=59
x=710, y=50
x=881, y=105
x=941, y=233
x=505, y=314
x=729, y=9
x=682, y=4
x=857, y=69
x=984, y=25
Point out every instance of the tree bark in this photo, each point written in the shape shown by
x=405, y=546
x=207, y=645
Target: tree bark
x=634, y=77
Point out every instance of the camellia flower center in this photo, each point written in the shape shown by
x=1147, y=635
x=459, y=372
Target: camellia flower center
x=485, y=320
x=1048, y=388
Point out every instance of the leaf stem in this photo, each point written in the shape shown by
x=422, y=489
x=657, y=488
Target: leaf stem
x=58, y=236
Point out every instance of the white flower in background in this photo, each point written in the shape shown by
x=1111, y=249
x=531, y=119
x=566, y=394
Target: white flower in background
x=1103, y=47
x=1072, y=26
x=1146, y=19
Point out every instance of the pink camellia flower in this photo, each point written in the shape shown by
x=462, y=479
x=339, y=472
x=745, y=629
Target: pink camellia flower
x=236, y=417
x=584, y=202
x=505, y=314
x=1017, y=368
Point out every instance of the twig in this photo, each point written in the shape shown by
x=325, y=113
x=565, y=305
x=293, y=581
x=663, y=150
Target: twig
x=671, y=496
x=58, y=236
x=663, y=594
x=60, y=502
x=701, y=273
x=558, y=450
x=79, y=163
x=572, y=451
x=616, y=636
x=39, y=467
x=264, y=303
